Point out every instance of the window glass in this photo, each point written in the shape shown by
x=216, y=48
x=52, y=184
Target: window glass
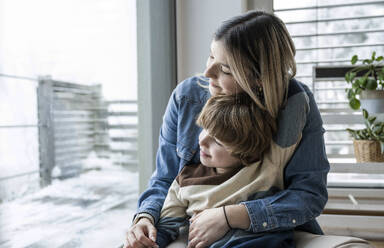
x=68, y=125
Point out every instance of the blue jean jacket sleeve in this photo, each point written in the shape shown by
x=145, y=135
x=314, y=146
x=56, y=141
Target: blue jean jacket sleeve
x=305, y=179
x=167, y=163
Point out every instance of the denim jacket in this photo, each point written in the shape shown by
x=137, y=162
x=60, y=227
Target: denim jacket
x=305, y=193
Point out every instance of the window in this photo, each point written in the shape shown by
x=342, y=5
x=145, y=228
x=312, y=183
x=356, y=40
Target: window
x=329, y=33
x=88, y=49
x=78, y=124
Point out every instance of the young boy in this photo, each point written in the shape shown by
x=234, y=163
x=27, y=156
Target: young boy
x=238, y=163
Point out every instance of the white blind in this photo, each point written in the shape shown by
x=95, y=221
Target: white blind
x=329, y=33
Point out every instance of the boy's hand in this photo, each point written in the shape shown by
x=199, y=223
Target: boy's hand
x=141, y=235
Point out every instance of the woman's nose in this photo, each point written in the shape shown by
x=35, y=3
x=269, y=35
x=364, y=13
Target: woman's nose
x=210, y=71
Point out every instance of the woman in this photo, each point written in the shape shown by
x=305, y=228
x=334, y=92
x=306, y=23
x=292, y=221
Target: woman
x=250, y=53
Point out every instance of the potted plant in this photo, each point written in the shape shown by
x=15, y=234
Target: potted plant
x=367, y=82
x=368, y=143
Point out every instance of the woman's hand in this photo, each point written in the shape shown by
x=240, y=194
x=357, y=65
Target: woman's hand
x=141, y=235
x=206, y=227
x=210, y=225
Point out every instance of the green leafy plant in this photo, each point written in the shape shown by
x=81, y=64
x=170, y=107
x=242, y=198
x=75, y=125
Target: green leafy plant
x=374, y=130
x=372, y=79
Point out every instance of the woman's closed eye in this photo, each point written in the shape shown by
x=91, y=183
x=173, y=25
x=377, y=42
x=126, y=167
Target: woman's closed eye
x=225, y=70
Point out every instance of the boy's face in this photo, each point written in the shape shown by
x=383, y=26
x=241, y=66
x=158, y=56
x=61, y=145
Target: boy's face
x=214, y=154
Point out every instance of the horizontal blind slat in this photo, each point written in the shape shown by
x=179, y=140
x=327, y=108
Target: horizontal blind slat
x=328, y=6
x=341, y=46
x=334, y=19
x=360, y=31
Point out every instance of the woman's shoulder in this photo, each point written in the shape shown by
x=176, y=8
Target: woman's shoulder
x=193, y=89
x=297, y=88
x=298, y=97
x=293, y=116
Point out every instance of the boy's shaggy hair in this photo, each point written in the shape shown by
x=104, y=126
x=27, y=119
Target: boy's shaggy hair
x=236, y=121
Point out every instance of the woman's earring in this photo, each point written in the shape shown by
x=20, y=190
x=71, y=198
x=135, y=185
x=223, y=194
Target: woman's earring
x=260, y=93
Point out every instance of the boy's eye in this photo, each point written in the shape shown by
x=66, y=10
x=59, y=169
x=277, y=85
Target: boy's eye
x=218, y=143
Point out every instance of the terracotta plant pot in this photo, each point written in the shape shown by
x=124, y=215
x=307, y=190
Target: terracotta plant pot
x=367, y=151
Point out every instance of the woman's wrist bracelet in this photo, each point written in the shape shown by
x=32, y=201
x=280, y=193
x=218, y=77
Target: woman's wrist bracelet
x=226, y=218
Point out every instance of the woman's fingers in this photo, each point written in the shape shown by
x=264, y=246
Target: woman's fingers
x=192, y=243
x=193, y=240
x=195, y=243
x=195, y=215
x=152, y=233
x=132, y=241
x=191, y=226
x=129, y=237
x=201, y=244
x=141, y=235
x=192, y=234
x=207, y=227
x=144, y=239
x=193, y=231
x=192, y=218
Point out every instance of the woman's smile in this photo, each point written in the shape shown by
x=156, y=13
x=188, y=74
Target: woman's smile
x=213, y=85
x=203, y=154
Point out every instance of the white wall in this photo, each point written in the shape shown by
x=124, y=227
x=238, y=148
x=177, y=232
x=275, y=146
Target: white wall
x=197, y=20
x=156, y=76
